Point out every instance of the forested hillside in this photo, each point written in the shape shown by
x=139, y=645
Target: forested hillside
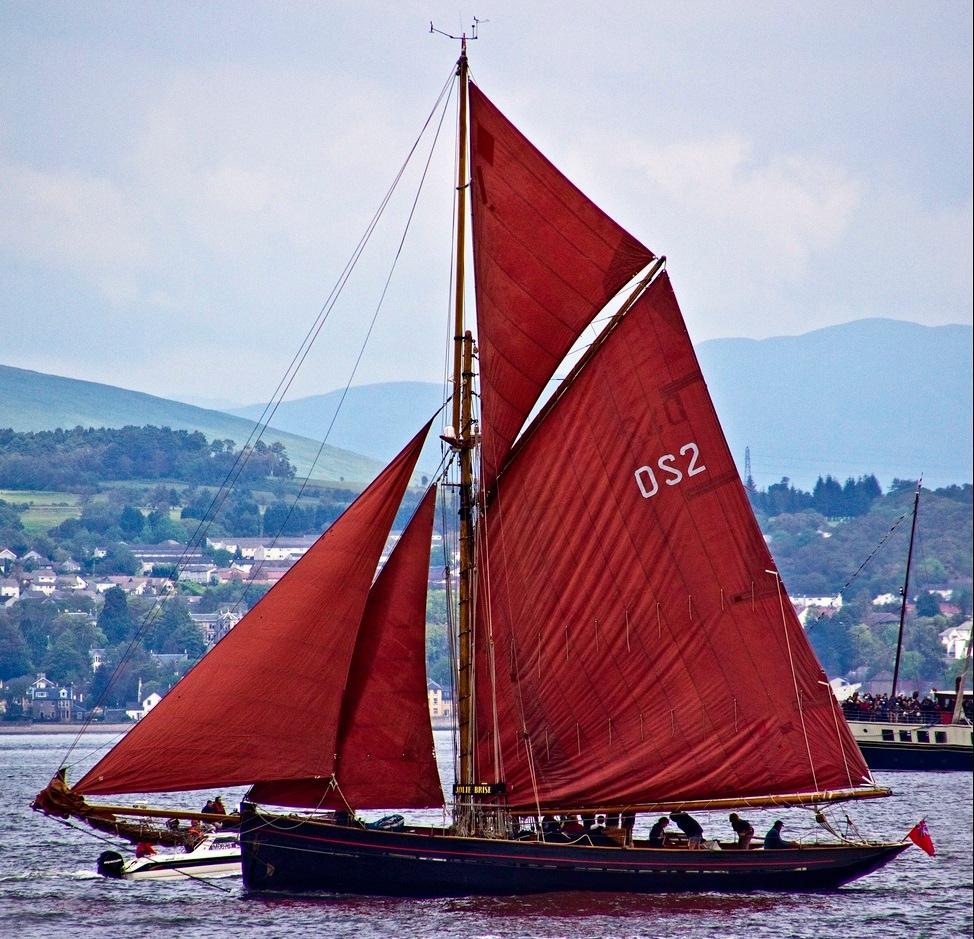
x=33, y=401
x=823, y=552
x=84, y=457
x=820, y=554
x=844, y=538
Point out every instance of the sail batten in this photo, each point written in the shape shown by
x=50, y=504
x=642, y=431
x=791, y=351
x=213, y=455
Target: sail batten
x=264, y=703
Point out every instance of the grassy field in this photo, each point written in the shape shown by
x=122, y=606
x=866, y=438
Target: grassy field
x=46, y=509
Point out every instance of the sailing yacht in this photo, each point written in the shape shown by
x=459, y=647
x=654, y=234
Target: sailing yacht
x=624, y=642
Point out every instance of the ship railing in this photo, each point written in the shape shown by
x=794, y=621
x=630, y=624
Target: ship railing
x=895, y=716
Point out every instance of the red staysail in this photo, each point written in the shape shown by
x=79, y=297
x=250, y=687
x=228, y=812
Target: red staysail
x=385, y=743
x=546, y=261
x=641, y=650
x=265, y=703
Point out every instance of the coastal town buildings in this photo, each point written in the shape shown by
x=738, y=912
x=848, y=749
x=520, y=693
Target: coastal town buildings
x=46, y=700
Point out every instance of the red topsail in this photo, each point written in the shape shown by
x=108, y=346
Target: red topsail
x=547, y=260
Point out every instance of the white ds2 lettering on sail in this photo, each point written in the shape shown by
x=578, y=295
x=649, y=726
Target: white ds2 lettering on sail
x=670, y=464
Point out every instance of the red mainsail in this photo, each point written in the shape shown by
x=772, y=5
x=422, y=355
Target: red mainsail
x=630, y=625
x=546, y=261
x=264, y=704
x=385, y=743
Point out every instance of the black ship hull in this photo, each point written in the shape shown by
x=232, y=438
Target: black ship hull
x=904, y=756
x=285, y=853
x=914, y=746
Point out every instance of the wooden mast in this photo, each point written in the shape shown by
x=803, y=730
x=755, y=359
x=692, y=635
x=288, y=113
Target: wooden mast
x=463, y=440
x=906, y=589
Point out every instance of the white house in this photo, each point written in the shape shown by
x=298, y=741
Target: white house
x=266, y=549
x=843, y=689
x=147, y=705
x=9, y=590
x=956, y=639
x=835, y=602
x=71, y=582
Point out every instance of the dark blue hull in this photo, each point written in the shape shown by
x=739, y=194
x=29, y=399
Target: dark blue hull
x=283, y=853
x=895, y=755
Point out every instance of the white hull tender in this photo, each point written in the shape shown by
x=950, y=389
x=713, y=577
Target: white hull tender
x=216, y=856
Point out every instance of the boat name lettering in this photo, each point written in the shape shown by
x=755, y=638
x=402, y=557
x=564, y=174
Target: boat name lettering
x=667, y=463
x=479, y=789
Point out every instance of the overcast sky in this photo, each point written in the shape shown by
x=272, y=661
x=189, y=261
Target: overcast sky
x=182, y=183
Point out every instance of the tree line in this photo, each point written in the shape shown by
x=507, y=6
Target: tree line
x=829, y=497
x=86, y=456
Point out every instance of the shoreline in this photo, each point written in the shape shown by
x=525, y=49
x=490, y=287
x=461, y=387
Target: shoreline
x=15, y=730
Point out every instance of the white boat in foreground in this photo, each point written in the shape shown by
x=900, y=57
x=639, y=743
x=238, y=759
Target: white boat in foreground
x=217, y=855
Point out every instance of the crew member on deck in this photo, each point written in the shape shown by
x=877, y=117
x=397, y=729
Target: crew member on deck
x=773, y=839
x=690, y=827
x=656, y=833
x=194, y=835
x=743, y=829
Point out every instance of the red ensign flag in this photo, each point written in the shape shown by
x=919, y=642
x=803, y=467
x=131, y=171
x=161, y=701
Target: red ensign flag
x=920, y=836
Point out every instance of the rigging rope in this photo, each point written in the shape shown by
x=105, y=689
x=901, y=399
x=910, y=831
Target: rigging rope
x=283, y=386
x=861, y=567
x=794, y=678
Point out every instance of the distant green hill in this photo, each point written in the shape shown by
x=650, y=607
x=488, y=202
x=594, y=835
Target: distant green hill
x=32, y=401
x=377, y=420
x=876, y=396
x=871, y=396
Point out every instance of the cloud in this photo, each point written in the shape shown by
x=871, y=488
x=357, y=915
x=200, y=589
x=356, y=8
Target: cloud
x=747, y=230
x=789, y=207
x=78, y=222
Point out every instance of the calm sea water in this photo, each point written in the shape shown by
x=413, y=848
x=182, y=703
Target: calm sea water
x=48, y=886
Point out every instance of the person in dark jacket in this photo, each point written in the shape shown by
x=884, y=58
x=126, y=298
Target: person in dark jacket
x=690, y=827
x=773, y=839
x=657, y=831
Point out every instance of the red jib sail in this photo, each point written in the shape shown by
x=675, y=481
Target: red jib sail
x=546, y=261
x=641, y=646
x=385, y=743
x=265, y=703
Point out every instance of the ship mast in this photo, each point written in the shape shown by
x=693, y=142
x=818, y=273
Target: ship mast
x=463, y=441
x=906, y=588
